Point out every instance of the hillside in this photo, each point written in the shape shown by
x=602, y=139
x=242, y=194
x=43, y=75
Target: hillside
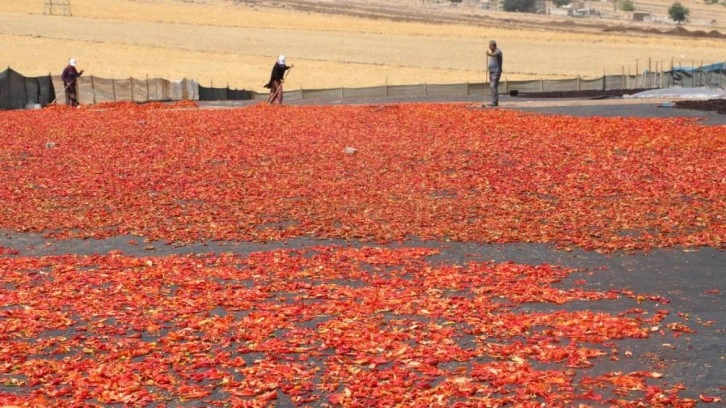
x=347, y=43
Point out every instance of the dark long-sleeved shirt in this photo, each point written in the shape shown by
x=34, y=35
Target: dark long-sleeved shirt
x=278, y=72
x=69, y=75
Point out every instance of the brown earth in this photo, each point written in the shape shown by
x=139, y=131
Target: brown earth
x=399, y=42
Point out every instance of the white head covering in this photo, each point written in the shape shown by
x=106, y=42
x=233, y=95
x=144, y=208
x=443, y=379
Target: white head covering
x=281, y=60
x=72, y=61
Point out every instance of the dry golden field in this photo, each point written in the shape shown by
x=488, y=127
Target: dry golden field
x=220, y=42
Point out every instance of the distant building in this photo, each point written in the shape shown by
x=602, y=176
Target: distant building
x=560, y=11
x=640, y=15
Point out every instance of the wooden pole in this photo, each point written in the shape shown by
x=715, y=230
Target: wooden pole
x=628, y=79
x=650, y=85
x=93, y=90
x=693, y=72
x=637, y=72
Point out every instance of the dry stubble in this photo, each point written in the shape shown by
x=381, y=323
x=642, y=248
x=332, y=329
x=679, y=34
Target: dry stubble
x=223, y=44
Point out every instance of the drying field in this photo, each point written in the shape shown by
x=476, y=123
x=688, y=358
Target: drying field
x=352, y=256
x=220, y=42
x=165, y=254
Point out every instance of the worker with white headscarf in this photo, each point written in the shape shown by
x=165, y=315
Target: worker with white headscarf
x=277, y=77
x=70, y=82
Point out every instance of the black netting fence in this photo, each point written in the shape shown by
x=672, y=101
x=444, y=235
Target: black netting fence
x=224, y=94
x=20, y=92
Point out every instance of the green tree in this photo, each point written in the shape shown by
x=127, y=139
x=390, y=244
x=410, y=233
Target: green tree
x=560, y=3
x=627, y=5
x=678, y=12
x=518, y=5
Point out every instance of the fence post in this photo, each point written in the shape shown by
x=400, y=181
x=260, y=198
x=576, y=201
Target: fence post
x=113, y=88
x=541, y=84
x=426, y=89
x=147, y=87
x=637, y=72
x=93, y=90
x=467, y=88
x=341, y=93
x=302, y=92
x=603, y=80
x=132, y=88
x=622, y=77
x=386, y=87
x=655, y=76
x=627, y=79
x=506, y=84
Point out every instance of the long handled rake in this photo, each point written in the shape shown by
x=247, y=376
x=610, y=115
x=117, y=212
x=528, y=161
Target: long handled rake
x=56, y=96
x=488, y=84
x=274, y=95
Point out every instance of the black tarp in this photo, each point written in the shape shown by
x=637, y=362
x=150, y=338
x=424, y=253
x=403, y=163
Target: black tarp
x=223, y=94
x=19, y=92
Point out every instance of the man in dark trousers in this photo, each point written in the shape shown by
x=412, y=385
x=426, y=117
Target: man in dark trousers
x=494, y=64
x=277, y=77
x=70, y=76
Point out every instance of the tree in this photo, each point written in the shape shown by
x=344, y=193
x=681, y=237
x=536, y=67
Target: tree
x=560, y=3
x=627, y=5
x=518, y=5
x=678, y=12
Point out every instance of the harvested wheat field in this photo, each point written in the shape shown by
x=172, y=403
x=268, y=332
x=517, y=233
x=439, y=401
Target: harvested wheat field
x=347, y=43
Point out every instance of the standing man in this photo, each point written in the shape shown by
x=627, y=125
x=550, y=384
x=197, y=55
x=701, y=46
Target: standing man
x=69, y=76
x=495, y=60
x=277, y=77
